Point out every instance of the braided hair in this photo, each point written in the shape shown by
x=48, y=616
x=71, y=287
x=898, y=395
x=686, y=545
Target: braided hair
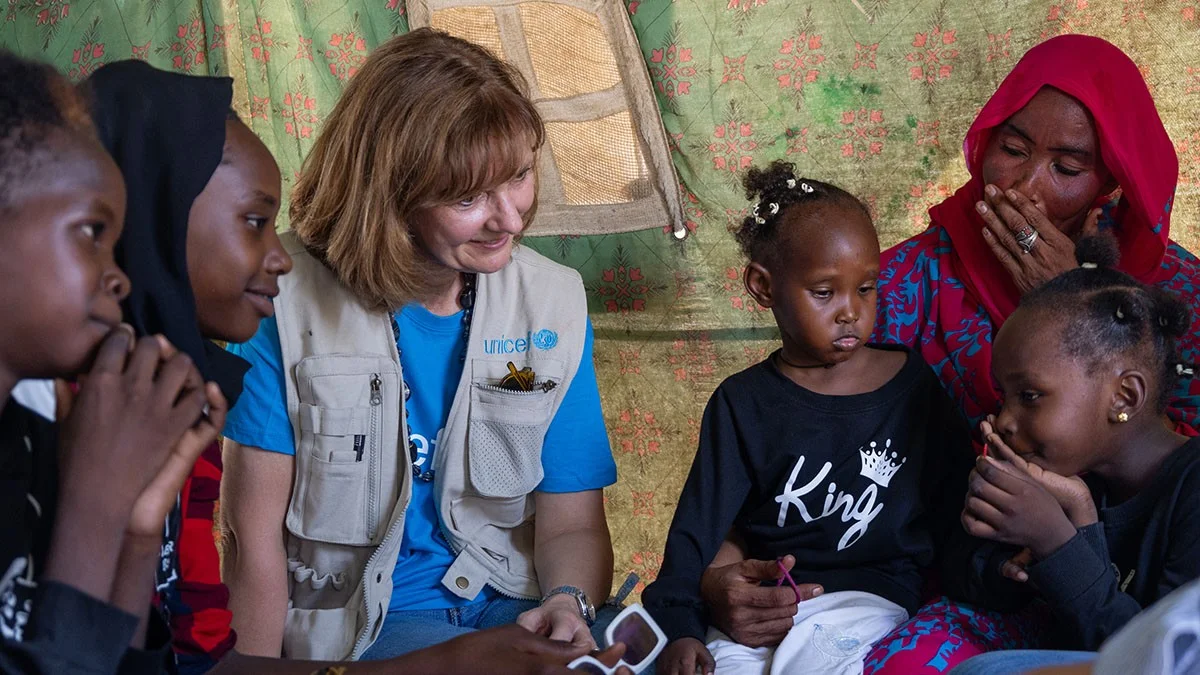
x=1110, y=313
x=35, y=101
x=777, y=192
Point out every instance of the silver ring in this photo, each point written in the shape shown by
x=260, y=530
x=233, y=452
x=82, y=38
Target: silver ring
x=1026, y=238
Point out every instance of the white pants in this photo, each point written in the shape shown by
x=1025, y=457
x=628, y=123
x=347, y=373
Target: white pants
x=831, y=635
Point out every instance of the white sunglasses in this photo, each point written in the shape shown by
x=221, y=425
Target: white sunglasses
x=642, y=637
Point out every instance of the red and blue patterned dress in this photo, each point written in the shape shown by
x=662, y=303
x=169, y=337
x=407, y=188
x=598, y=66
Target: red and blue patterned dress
x=944, y=293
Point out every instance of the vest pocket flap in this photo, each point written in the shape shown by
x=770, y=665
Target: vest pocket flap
x=465, y=513
x=316, y=419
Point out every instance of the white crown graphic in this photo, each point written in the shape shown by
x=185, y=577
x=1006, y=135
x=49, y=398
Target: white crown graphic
x=876, y=464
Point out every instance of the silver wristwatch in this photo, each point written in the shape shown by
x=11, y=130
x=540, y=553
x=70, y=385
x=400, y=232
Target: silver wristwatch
x=586, y=609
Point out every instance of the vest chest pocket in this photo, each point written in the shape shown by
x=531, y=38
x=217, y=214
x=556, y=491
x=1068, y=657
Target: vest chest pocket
x=343, y=402
x=506, y=433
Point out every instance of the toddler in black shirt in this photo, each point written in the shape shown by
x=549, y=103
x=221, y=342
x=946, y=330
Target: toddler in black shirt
x=846, y=456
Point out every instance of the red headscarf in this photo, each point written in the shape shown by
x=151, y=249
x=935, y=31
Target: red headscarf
x=1133, y=144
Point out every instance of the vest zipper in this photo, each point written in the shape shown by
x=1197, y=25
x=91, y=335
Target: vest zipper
x=373, y=461
x=359, y=644
x=376, y=402
x=542, y=387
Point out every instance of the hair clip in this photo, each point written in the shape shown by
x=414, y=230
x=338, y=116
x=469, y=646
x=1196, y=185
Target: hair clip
x=1089, y=265
x=805, y=187
x=754, y=211
x=773, y=208
x=791, y=183
x=760, y=221
x=1184, y=371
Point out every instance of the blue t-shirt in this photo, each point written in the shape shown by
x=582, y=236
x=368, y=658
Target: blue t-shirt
x=575, y=456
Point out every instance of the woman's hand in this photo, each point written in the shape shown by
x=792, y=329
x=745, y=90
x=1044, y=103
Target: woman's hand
x=558, y=619
x=1009, y=507
x=1006, y=216
x=747, y=611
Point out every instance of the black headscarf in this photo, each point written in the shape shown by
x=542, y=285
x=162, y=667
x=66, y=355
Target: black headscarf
x=167, y=133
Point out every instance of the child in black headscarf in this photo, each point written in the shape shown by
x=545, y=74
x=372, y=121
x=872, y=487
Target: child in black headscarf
x=203, y=257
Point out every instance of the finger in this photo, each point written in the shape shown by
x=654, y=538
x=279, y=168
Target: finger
x=551, y=651
x=1000, y=230
x=751, y=615
x=976, y=527
x=172, y=378
x=64, y=398
x=164, y=345
x=218, y=407
x=143, y=363
x=1007, y=480
x=208, y=429
x=1001, y=451
x=1024, y=557
x=761, y=570
x=1030, y=213
x=188, y=410
x=809, y=591
x=706, y=662
x=1091, y=224
x=1013, y=217
x=610, y=656
x=985, y=427
x=788, y=561
x=560, y=629
x=113, y=351
x=1011, y=570
x=981, y=489
x=579, y=635
x=984, y=511
x=1007, y=260
x=687, y=665
x=765, y=634
x=534, y=621
x=768, y=597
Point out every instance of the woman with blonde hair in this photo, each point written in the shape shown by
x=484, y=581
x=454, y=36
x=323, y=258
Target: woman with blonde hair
x=425, y=387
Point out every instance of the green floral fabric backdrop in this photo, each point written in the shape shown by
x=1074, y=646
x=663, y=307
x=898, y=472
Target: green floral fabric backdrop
x=874, y=95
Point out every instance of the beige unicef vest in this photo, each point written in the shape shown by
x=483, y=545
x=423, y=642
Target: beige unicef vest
x=353, y=478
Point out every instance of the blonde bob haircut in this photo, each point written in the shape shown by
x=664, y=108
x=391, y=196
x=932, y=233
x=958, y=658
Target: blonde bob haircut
x=429, y=119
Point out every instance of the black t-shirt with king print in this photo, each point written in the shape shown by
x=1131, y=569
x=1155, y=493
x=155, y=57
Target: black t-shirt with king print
x=858, y=488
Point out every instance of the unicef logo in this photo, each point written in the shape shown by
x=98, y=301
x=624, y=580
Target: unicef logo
x=545, y=339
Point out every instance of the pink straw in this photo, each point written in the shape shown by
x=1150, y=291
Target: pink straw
x=788, y=578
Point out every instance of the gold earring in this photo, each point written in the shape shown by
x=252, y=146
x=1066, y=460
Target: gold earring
x=1123, y=417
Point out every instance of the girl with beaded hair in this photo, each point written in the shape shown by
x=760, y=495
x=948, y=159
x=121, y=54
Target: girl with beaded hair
x=425, y=388
x=828, y=458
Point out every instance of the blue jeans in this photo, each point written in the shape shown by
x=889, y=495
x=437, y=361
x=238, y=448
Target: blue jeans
x=1019, y=661
x=405, y=632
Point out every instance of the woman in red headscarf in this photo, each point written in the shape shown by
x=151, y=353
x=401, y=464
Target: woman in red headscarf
x=1070, y=143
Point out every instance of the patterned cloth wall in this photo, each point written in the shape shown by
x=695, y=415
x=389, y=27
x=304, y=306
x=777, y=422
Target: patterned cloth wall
x=874, y=95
